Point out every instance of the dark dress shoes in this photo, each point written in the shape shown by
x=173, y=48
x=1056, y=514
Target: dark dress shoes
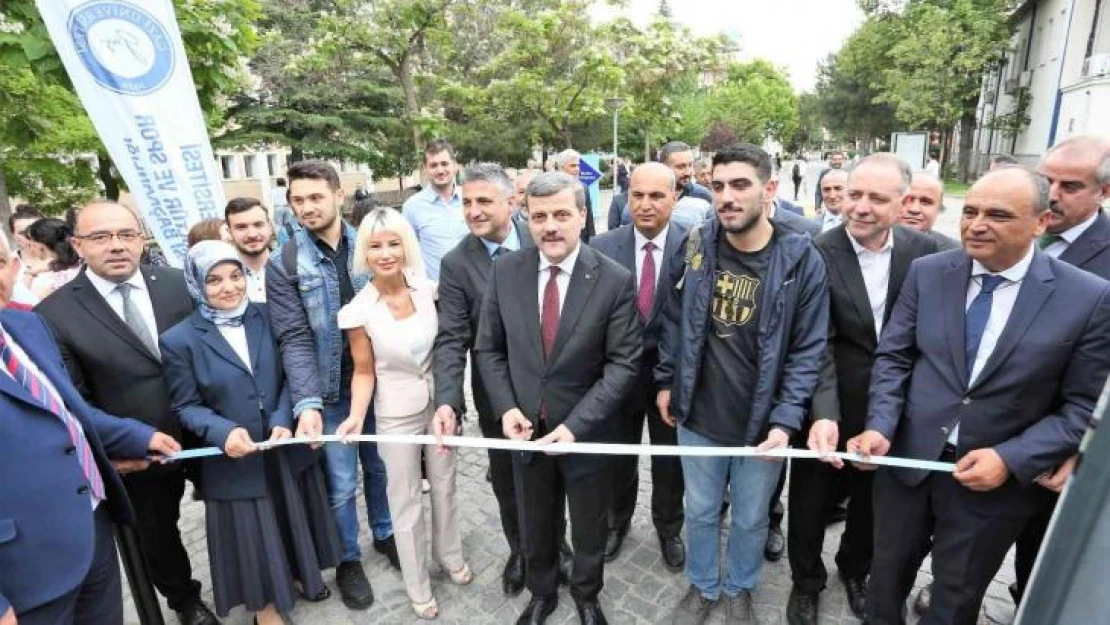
x=674, y=553
x=856, y=588
x=512, y=578
x=197, y=614
x=613, y=542
x=589, y=613
x=776, y=543
x=388, y=548
x=354, y=588
x=801, y=608
x=537, y=610
x=924, y=600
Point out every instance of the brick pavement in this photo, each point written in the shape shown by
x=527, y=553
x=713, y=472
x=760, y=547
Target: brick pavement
x=638, y=589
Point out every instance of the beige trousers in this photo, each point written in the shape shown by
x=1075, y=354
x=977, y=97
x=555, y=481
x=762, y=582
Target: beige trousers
x=402, y=466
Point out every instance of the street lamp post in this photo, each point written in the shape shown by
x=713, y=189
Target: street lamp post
x=615, y=104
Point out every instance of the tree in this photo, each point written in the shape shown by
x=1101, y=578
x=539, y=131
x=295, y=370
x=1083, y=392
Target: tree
x=756, y=101
x=809, y=132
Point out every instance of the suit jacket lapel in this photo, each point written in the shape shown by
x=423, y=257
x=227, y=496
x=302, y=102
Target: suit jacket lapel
x=159, y=300
x=479, y=257
x=578, y=294
x=91, y=300
x=847, y=265
x=256, y=335
x=215, y=341
x=1091, y=242
x=529, y=282
x=901, y=256
x=1035, y=291
x=954, y=304
x=15, y=328
x=670, y=246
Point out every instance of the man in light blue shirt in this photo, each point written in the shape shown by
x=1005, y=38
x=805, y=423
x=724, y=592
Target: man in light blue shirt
x=436, y=212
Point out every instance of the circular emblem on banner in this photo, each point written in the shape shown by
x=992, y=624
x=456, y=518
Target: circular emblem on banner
x=125, y=48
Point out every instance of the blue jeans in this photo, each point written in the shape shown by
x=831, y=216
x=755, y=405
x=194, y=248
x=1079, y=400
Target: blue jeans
x=751, y=482
x=341, y=463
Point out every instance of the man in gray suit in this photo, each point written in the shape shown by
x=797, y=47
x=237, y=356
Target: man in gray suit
x=558, y=347
x=463, y=278
x=993, y=359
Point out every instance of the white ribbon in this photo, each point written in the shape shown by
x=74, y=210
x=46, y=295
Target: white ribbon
x=605, y=449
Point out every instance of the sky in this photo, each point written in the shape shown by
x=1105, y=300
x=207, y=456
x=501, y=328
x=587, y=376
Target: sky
x=793, y=34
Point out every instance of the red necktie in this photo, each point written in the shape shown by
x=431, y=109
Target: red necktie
x=647, y=281
x=36, y=386
x=550, y=311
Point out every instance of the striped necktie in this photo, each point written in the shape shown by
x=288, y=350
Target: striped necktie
x=44, y=396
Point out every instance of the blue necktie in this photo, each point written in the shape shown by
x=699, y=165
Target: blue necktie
x=976, y=320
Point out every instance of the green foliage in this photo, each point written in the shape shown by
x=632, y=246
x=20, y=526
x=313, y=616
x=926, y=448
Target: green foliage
x=1011, y=123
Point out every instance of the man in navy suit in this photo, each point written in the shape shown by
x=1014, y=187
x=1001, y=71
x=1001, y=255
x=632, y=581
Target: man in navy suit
x=57, y=555
x=648, y=248
x=993, y=359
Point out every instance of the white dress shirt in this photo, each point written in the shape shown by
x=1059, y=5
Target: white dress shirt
x=1002, y=304
x=830, y=220
x=563, y=281
x=875, y=267
x=236, y=337
x=256, y=284
x=1069, y=236
x=660, y=240
x=140, y=296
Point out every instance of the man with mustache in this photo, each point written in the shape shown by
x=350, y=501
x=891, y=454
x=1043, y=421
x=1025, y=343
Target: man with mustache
x=833, y=186
x=741, y=346
x=925, y=203
x=251, y=232
x=558, y=347
x=680, y=158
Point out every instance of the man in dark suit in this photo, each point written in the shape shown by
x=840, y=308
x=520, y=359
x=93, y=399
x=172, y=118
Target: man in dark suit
x=867, y=259
x=680, y=158
x=1078, y=233
x=652, y=199
x=107, y=321
x=993, y=358
x=559, y=372
x=924, y=205
x=57, y=554
x=463, y=278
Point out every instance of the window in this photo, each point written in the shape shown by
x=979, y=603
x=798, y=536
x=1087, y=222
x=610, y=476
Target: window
x=271, y=165
x=227, y=165
x=248, y=166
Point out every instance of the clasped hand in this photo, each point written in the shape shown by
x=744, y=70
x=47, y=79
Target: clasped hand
x=239, y=443
x=517, y=427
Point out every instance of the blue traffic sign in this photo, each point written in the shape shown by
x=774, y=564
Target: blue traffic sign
x=587, y=173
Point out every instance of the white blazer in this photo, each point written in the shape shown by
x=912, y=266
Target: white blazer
x=404, y=386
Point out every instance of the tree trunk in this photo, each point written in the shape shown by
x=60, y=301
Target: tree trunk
x=408, y=87
x=967, y=130
x=104, y=172
x=5, y=205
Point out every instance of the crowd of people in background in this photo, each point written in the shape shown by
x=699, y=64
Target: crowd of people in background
x=711, y=310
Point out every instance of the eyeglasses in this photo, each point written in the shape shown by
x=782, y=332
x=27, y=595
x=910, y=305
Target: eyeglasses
x=102, y=238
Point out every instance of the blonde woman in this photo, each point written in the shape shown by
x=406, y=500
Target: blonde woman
x=391, y=325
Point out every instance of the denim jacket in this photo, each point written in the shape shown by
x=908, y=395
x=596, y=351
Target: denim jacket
x=304, y=309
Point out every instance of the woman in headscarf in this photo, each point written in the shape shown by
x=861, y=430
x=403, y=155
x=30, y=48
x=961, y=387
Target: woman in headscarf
x=270, y=528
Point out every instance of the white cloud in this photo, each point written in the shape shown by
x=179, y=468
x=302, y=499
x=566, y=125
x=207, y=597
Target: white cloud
x=793, y=34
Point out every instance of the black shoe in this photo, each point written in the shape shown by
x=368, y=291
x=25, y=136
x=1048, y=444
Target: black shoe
x=776, y=543
x=613, y=542
x=354, y=588
x=538, y=609
x=197, y=614
x=323, y=595
x=924, y=600
x=801, y=609
x=512, y=578
x=388, y=548
x=589, y=613
x=740, y=610
x=856, y=588
x=674, y=553
x=692, y=609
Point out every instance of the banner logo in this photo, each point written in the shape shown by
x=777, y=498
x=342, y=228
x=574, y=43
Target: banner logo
x=125, y=48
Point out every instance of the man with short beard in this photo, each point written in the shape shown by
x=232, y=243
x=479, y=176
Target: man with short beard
x=924, y=204
x=251, y=232
x=307, y=282
x=745, y=328
x=436, y=212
